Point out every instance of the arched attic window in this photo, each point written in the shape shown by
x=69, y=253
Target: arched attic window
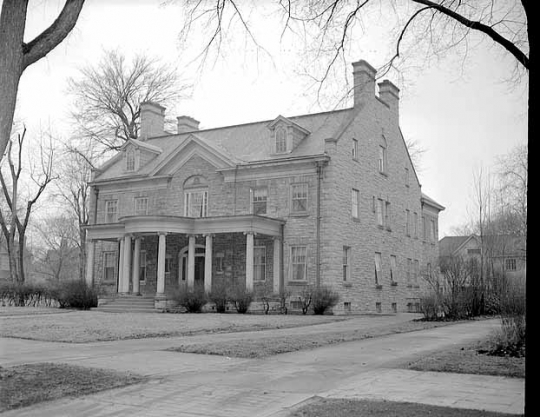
x=281, y=139
x=196, y=197
x=131, y=159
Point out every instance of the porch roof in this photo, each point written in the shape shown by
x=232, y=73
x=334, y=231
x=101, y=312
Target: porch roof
x=153, y=224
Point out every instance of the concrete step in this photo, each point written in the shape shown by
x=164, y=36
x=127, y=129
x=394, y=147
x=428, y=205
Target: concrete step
x=132, y=304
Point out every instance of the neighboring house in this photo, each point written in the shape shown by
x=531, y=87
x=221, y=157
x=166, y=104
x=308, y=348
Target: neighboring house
x=501, y=253
x=329, y=198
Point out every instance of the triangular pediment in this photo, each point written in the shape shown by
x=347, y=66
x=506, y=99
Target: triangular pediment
x=283, y=121
x=193, y=146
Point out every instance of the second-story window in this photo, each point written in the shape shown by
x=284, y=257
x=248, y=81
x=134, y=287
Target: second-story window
x=382, y=159
x=380, y=212
x=355, y=196
x=346, y=263
x=393, y=268
x=196, y=203
x=141, y=205
x=111, y=211
x=354, y=149
x=378, y=268
x=299, y=198
x=281, y=139
x=258, y=200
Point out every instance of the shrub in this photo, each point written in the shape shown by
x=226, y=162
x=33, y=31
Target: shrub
x=241, y=298
x=218, y=296
x=193, y=300
x=27, y=294
x=323, y=299
x=305, y=298
x=431, y=308
x=76, y=294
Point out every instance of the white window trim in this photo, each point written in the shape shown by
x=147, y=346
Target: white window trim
x=255, y=265
x=111, y=217
x=187, y=201
x=252, y=197
x=292, y=263
x=277, y=145
x=137, y=203
x=114, y=266
x=306, y=198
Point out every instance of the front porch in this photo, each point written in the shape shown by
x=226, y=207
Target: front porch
x=156, y=255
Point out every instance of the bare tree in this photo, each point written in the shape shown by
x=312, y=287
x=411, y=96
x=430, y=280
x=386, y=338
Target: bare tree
x=108, y=96
x=14, y=214
x=16, y=55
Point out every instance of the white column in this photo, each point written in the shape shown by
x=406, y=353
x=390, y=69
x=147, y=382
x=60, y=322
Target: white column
x=127, y=263
x=136, y=266
x=121, y=267
x=277, y=265
x=191, y=263
x=249, y=261
x=208, y=264
x=90, y=249
x=162, y=250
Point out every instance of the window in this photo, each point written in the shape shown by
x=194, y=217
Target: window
x=415, y=225
x=380, y=210
x=109, y=266
x=258, y=200
x=219, y=262
x=428, y=269
x=346, y=263
x=299, y=196
x=408, y=223
x=387, y=215
x=141, y=205
x=409, y=266
x=142, y=267
x=298, y=263
x=281, y=139
x=416, y=270
x=355, y=196
x=378, y=268
x=510, y=264
x=432, y=230
x=354, y=149
x=259, y=263
x=347, y=306
x=382, y=159
x=111, y=211
x=394, y=307
x=378, y=307
x=474, y=251
x=407, y=177
x=196, y=203
x=168, y=263
x=393, y=268
x=130, y=159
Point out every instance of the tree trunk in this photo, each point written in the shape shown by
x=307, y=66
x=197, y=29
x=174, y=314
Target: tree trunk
x=21, y=258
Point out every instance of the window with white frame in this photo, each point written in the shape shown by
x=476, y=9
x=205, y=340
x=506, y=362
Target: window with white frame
x=111, y=211
x=378, y=268
x=196, y=203
x=510, y=264
x=259, y=263
x=142, y=266
x=130, y=159
x=281, y=139
x=109, y=266
x=259, y=198
x=355, y=197
x=354, y=149
x=299, y=197
x=298, y=263
x=346, y=263
x=393, y=268
x=141, y=205
x=382, y=159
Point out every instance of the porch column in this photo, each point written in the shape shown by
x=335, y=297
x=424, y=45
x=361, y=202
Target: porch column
x=162, y=250
x=121, y=267
x=208, y=264
x=249, y=261
x=136, y=266
x=90, y=248
x=127, y=264
x=191, y=263
x=277, y=265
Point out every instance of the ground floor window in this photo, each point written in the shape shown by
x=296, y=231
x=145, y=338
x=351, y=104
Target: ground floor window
x=259, y=263
x=510, y=264
x=142, y=267
x=298, y=263
x=109, y=266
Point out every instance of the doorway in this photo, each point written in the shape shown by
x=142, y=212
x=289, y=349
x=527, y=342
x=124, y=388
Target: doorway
x=199, y=265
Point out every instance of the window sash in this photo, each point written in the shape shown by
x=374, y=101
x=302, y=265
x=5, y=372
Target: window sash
x=130, y=160
x=298, y=263
x=382, y=159
x=380, y=210
x=355, y=196
x=355, y=149
x=259, y=263
x=141, y=205
x=142, y=266
x=109, y=266
x=393, y=262
x=281, y=140
x=346, y=263
x=259, y=197
x=196, y=204
x=299, y=196
x=378, y=267
x=111, y=211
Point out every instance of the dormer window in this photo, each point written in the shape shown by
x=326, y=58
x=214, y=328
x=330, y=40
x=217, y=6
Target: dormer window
x=281, y=139
x=130, y=160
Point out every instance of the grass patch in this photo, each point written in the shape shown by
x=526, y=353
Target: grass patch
x=468, y=360
x=92, y=326
x=24, y=385
x=371, y=408
x=262, y=347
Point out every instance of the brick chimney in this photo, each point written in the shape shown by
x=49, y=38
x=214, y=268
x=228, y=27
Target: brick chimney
x=389, y=93
x=152, y=120
x=364, y=81
x=187, y=124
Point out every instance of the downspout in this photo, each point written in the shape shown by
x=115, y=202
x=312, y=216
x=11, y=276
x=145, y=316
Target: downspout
x=281, y=261
x=318, y=227
x=96, y=195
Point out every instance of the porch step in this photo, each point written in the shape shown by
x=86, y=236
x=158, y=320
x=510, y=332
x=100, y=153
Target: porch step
x=127, y=304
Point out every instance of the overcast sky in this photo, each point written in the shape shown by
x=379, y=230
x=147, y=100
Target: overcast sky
x=463, y=116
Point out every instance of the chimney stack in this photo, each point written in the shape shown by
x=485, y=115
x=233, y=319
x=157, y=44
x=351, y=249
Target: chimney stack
x=364, y=82
x=389, y=93
x=187, y=124
x=152, y=120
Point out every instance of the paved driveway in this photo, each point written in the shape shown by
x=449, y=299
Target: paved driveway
x=189, y=385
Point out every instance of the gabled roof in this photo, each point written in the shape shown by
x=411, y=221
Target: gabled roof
x=288, y=122
x=141, y=145
x=449, y=245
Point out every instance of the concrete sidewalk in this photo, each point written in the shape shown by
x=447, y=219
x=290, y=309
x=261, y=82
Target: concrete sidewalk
x=188, y=385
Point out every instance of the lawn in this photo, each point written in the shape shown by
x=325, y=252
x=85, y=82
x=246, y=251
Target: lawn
x=92, y=326
x=262, y=347
x=369, y=408
x=24, y=385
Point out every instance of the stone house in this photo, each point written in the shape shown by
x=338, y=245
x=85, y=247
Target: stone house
x=320, y=199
